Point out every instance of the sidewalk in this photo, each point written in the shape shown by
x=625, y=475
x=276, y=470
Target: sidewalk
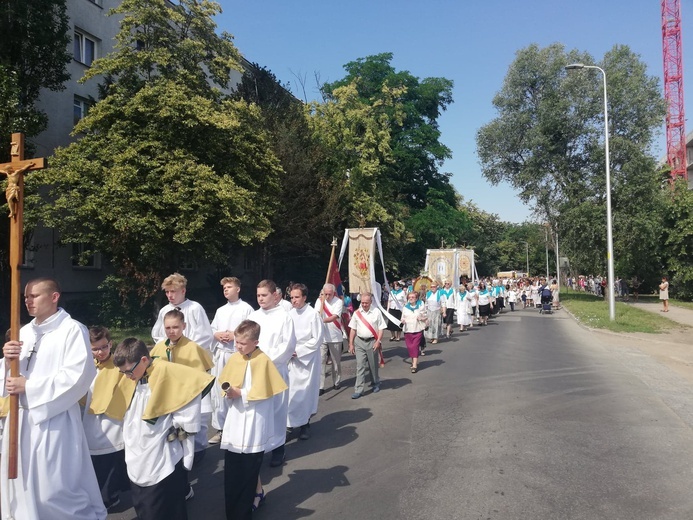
x=677, y=314
x=673, y=348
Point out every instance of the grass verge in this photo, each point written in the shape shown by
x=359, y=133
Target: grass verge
x=143, y=333
x=594, y=312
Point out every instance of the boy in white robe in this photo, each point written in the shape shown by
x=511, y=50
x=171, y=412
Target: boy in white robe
x=225, y=321
x=179, y=348
x=56, y=369
x=160, y=405
x=278, y=341
x=198, y=327
x=304, y=366
x=249, y=381
x=104, y=434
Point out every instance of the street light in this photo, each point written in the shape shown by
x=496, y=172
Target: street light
x=609, y=233
x=527, y=253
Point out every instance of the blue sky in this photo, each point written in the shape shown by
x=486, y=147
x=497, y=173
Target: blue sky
x=470, y=42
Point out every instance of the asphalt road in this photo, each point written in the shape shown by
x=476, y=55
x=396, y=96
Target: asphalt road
x=531, y=417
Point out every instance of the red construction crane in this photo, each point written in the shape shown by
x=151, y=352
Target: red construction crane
x=673, y=88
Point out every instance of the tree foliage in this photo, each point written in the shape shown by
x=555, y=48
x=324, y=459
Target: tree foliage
x=33, y=56
x=414, y=133
x=167, y=169
x=678, y=244
x=548, y=143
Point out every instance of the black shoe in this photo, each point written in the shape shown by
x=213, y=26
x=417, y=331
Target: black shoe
x=305, y=432
x=337, y=387
x=321, y=392
x=278, y=457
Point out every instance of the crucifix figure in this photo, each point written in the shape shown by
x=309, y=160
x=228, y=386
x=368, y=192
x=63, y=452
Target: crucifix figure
x=15, y=170
x=13, y=190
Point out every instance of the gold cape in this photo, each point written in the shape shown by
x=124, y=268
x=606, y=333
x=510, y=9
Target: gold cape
x=4, y=406
x=266, y=380
x=105, y=384
x=172, y=386
x=185, y=352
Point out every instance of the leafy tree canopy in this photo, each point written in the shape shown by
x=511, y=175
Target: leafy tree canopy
x=548, y=143
x=33, y=56
x=167, y=169
x=414, y=141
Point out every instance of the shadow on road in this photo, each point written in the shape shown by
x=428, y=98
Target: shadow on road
x=302, y=485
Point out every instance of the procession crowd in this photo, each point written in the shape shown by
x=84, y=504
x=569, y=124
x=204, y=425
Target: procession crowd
x=101, y=419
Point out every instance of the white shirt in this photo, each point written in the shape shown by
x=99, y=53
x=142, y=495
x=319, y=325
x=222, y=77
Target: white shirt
x=373, y=316
x=333, y=332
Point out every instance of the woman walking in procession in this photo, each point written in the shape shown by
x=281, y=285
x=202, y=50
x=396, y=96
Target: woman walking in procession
x=413, y=325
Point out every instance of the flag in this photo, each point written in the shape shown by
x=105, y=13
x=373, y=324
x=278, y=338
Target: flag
x=334, y=278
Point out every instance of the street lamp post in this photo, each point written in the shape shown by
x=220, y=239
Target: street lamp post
x=527, y=255
x=609, y=232
x=546, y=232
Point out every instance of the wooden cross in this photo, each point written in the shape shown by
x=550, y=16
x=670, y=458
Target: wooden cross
x=14, y=192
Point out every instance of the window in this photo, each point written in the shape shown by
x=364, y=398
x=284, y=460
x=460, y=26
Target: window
x=186, y=262
x=84, y=48
x=84, y=257
x=29, y=254
x=81, y=107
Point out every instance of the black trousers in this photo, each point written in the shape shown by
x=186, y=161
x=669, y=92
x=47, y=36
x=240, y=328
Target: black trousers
x=241, y=471
x=164, y=500
x=111, y=473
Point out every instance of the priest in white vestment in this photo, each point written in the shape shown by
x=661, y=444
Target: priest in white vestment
x=56, y=479
x=278, y=341
x=304, y=366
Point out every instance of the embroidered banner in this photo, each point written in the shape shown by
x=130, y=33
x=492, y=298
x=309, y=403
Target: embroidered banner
x=451, y=264
x=361, y=256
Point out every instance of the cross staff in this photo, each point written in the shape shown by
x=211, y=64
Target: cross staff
x=15, y=170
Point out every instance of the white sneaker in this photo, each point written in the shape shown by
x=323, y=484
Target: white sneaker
x=216, y=438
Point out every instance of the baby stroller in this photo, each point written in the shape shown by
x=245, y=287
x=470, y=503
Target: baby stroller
x=546, y=299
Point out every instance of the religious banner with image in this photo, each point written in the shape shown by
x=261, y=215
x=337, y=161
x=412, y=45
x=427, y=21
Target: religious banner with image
x=361, y=256
x=441, y=265
x=362, y=243
x=450, y=264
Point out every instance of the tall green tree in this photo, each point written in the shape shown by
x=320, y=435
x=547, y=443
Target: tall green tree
x=415, y=141
x=33, y=56
x=678, y=240
x=547, y=142
x=167, y=168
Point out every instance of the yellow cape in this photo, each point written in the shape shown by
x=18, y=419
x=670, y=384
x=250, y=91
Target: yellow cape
x=4, y=406
x=185, y=352
x=266, y=380
x=172, y=387
x=105, y=384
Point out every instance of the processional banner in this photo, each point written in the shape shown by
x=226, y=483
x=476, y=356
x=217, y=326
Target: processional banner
x=362, y=243
x=450, y=264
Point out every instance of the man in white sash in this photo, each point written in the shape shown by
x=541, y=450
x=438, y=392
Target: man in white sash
x=365, y=338
x=331, y=308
